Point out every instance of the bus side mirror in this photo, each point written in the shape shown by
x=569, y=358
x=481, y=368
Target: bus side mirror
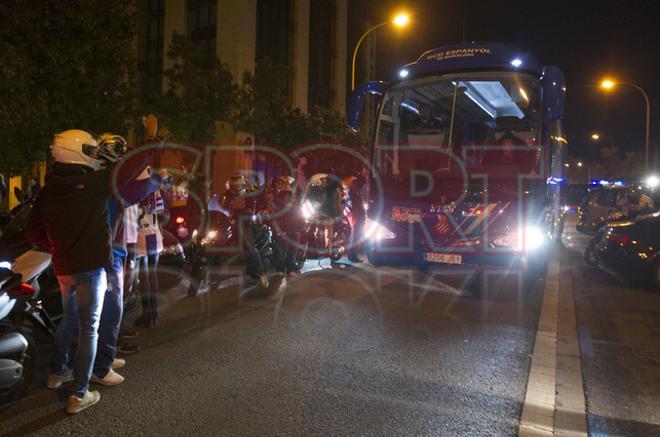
x=356, y=101
x=554, y=93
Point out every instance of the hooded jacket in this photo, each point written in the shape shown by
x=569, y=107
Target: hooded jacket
x=70, y=216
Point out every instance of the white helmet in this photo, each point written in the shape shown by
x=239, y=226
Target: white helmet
x=75, y=146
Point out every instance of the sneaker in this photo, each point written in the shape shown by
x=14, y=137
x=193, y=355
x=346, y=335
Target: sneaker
x=118, y=363
x=56, y=381
x=76, y=404
x=128, y=346
x=130, y=333
x=111, y=378
x=354, y=259
x=263, y=280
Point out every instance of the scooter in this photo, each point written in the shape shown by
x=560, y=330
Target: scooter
x=19, y=302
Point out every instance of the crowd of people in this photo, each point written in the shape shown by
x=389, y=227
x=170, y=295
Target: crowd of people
x=94, y=211
x=97, y=214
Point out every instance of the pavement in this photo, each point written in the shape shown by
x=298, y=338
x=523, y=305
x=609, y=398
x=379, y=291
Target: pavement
x=354, y=350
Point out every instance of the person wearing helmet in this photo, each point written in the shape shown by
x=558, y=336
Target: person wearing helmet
x=287, y=226
x=70, y=218
x=356, y=214
x=240, y=208
x=111, y=149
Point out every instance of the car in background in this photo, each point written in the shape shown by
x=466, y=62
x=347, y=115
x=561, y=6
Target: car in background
x=574, y=196
x=603, y=204
x=631, y=248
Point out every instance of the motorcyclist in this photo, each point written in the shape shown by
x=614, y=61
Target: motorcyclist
x=70, y=218
x=356, y=214
x=240, y=209
x=111, y=149
x=326, y=196
x=287, y=226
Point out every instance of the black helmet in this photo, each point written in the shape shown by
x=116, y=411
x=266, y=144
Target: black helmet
x=111, y=148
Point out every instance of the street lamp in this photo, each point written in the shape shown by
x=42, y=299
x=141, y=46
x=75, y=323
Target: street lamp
x=579, y=164
x=609, y=84
x=400, y=20
x=597, y=137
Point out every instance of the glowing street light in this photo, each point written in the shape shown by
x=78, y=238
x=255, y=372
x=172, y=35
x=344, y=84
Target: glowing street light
x=597, y=137
x=400, y=20
x=579, y=164
x=609, y=84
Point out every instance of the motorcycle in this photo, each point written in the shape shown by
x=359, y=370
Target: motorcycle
x=221, y=245
x=589, y=256
x=316, y=222
x=20, y=303
x=14, y=247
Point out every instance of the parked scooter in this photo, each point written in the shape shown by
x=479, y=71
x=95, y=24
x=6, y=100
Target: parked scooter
x=14, y=248
x=19, y=303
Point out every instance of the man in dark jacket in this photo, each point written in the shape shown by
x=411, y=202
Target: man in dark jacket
x=70, y=218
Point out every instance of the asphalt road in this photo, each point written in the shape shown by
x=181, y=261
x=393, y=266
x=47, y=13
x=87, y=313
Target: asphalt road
x=360, y=351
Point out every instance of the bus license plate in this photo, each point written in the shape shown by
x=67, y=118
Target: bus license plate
x=447, y=258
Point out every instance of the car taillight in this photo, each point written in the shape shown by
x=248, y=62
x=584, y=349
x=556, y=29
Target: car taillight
x=180, y=220
x=620, y=239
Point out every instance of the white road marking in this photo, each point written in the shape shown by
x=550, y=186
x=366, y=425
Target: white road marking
x=537, y=417
x=554, y=402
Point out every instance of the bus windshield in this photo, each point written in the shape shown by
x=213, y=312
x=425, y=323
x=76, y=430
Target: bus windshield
x=454, y=111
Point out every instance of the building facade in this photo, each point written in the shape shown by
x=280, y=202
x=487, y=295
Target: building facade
x=308, y=36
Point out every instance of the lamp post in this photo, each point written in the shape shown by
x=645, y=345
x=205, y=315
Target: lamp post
x=608, y=84
x=400, y=20
x=598, y=136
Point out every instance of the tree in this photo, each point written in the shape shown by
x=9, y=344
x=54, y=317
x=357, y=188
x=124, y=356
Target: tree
x=200, y=92
x=610, y=156
x=264, y=109
x=64, y=64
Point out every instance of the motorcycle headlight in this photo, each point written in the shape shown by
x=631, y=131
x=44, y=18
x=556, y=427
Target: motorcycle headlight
x=212, y=235
x=307, y=210
x=376, y=231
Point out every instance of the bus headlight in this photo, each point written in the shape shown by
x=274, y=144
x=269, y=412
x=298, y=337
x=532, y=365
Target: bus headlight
x=530, y=240
x=534, y=238
x=376, y=231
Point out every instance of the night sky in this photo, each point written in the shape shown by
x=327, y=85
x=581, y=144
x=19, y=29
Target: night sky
x=586, y=39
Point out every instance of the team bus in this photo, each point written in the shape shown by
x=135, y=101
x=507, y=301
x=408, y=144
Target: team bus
x=466, y=159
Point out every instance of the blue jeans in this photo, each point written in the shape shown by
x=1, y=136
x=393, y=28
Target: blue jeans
x=82, y=300
x=111, y=314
